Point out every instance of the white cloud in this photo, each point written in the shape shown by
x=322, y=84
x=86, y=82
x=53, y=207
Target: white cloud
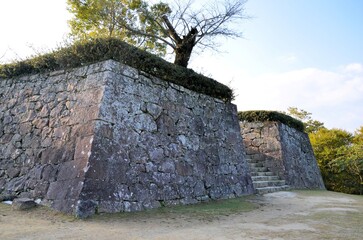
x=353, y=68
x=334, y=97
x=289, y=58
x=40, y=24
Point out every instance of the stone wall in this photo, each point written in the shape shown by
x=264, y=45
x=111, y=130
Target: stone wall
x=47, y=124
x=108, y=138
x=285, y=151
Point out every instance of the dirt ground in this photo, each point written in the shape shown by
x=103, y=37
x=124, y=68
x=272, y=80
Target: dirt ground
x=281, y=215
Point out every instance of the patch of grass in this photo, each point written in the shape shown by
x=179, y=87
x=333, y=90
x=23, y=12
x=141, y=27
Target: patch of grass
x=214, y=208
x=83, y=53
x=263, y=116
x=203, y=211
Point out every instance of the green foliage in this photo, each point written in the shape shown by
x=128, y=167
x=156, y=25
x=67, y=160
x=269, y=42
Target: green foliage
x=304, y=116
x=358, y=136
x=340, y=158
x=108, y=18
x=202, y=211
x=262, y=116
x=83, y=53
x=338, y=152
x=153, y=27
x=327, y=143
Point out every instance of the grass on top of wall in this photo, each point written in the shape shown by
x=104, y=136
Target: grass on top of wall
x=263, y=116
x=84, y=53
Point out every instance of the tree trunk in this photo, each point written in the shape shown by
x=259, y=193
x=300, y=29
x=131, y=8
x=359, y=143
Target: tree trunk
x=182, y=54
x=185, y=47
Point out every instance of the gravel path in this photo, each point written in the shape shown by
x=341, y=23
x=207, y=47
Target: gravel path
x=281, y=215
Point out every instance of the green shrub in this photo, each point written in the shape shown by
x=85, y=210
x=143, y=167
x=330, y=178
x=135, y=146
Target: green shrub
x=263, y=116
x=83, y=53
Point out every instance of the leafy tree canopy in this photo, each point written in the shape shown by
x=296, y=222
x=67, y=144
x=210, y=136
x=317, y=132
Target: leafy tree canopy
x=340, y=158
x=338, y=152
x=358, y=136
x=310, y=124
x=155, y=26
x=328, y=142
x=107, y=18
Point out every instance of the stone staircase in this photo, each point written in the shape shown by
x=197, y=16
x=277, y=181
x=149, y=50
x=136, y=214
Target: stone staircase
x=263, y=180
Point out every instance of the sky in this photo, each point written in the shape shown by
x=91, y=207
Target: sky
x=294, y=53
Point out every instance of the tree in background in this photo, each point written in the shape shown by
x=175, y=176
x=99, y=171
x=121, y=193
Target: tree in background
x=358, y=136
x=339, y=153
x=340, y=157
x=304, y=116
x=329, y=145
x=182, y=27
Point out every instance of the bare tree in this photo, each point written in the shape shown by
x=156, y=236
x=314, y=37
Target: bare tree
x=2, y=56
x=183, y=27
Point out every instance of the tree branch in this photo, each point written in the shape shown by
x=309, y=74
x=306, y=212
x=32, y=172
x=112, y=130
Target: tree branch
x=171, y=29
x=142, y=33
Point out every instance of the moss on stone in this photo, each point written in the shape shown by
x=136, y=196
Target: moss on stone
x=263, y=116
x=84, y=53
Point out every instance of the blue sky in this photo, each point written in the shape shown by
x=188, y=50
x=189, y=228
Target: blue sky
x=303, y=53
x=309, y=33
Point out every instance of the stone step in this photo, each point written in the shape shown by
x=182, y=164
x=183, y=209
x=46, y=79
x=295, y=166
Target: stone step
x=265, y=178
x=254, y=161
x=251, y=160
x=265, y=190
x=262, y=184
x=262, y=174
x=259, y=169
x=257, y=164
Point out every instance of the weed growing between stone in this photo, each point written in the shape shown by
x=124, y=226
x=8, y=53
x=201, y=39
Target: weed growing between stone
x=262, y=116
x=83, y=53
